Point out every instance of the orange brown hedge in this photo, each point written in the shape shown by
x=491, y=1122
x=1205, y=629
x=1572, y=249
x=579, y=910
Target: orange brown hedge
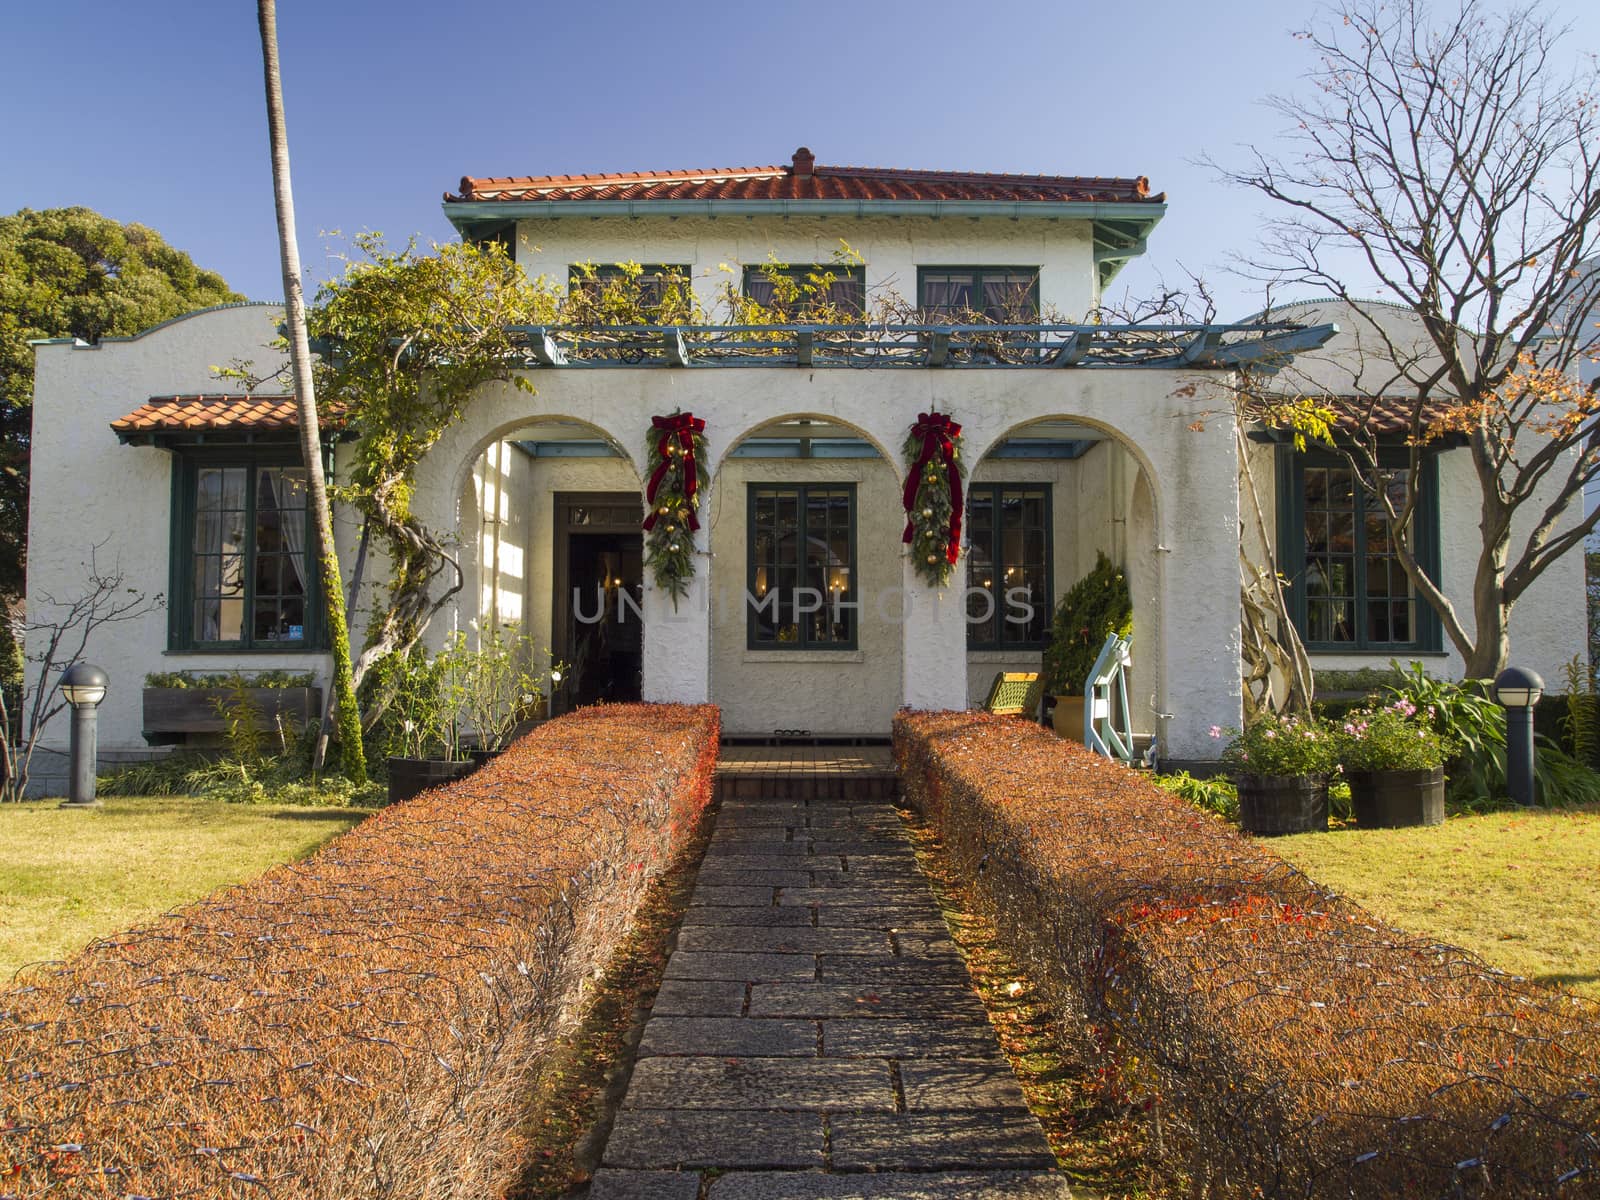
x=367, y=1022
x=1295, y=1045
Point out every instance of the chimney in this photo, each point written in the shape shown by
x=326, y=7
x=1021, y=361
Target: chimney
x=804, y=162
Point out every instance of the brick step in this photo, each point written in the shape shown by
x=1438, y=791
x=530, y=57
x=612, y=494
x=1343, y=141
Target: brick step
x=806, y=785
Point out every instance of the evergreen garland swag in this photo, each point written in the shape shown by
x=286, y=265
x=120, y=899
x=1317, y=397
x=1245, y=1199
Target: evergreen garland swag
x=676, y=457
x=932, y=496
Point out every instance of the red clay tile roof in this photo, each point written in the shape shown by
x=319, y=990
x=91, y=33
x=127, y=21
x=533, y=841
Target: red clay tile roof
x=1380, y=414
x=803, y=180
x=201, y=414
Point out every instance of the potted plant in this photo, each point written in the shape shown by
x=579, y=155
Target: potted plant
x=419, y=731
x=1395, y=765
x=1097, y=605
x=1280, y=765
x=493, y=689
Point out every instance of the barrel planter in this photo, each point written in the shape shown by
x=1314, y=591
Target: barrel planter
x=1395, y=799
x=1274, y=804
x=408, y=776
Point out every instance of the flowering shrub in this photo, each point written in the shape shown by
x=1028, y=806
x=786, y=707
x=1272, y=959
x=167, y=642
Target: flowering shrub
x=1276, y=745
x=1293, y=1044
x=368, y=1022
x=1392, y=738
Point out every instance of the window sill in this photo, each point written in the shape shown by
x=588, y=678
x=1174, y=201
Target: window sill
x=829, y=657
x=1398, y=652
x=1020, y=654
x=236, y=651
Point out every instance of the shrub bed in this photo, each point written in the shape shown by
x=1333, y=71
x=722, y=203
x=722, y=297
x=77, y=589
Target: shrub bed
x=368, y=1022
x=1294, y=1045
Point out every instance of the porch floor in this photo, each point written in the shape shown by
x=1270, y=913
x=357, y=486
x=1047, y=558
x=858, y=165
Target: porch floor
x=790, y=772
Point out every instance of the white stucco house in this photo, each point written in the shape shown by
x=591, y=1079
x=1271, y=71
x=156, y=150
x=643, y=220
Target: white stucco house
x=1095, y=438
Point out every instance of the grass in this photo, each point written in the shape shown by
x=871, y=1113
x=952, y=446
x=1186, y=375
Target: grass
x=1519, y=889
x=69, y=877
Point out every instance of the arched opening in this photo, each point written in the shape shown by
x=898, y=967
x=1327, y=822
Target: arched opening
x=1045, y=500
x=548, y=516
x=804, y=530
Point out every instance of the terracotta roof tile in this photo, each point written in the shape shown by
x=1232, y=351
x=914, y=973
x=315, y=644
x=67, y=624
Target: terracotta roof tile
x=1379, y=414
x=803, y=180
x=200, y=414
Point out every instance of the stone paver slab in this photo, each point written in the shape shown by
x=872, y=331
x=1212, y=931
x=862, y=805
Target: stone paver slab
x=646, y=1138
x=799, y=940
x=890, y=1185
x=743, y=897
x=728, y=1035
x=842, y=1000
x=715, y=877
x=754, y=1084
x=880, y=894
x=862, y=970
x=891, y=1037
x=747, y=915
x=613, y=1184
x=937, y=1141
x=951, y=1083
x=749, y=968
x=699, y=998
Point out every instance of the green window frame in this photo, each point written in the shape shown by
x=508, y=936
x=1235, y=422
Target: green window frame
x=1348, y=593
x=802, y=536
x=848, y=290
x=652, y=277
x=1009, y=551
x=1006, y=295
x=243, y=567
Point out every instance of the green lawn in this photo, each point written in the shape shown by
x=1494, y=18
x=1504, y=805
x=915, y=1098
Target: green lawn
x=68, y=877
x=1520, y=889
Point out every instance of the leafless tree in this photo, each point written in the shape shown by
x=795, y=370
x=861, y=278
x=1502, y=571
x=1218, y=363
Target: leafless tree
x=53, y=645
x=1453, y=164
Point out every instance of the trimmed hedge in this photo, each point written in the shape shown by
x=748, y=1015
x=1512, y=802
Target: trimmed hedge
x=1295, y=1045
x=368, y=1022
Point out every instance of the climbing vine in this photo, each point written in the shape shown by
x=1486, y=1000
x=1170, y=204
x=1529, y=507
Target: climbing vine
x=932, y=496
x=676, y=458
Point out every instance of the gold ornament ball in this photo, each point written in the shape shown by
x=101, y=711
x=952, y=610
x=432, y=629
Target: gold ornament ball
x=673, y=547
x=672, y=529
x=662, y=510
x=933, y=558
x=927, y=512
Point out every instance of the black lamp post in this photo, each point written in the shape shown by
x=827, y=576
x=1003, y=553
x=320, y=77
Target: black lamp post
x=84, y=686
x=1518, y=690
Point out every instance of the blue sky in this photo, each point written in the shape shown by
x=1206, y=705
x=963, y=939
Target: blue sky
x=154, y=112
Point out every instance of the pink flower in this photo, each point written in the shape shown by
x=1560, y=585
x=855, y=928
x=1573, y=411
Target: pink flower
x=1216, y=731
x=1349, y=728
x=1271, y=733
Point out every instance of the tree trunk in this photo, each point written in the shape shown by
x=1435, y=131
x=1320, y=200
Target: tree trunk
x=351, y=752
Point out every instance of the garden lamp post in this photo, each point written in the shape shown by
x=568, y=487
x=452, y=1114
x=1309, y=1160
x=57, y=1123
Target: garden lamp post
x=1518, y=690
x=84, y=686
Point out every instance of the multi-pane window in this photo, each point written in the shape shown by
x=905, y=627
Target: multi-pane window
x=792, y=290
x=802, y=571
x=1348, y=587
x=1007, y=295
x=244, y=577
x=652, y=280
x=1008, y=566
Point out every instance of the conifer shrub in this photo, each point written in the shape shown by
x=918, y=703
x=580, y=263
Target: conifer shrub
x=1096, y=606
x=1291, y=1044
x=368, y=1022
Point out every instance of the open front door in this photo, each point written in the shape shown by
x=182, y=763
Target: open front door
x=599, y=590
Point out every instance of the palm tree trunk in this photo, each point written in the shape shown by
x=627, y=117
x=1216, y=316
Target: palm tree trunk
x=351, y=754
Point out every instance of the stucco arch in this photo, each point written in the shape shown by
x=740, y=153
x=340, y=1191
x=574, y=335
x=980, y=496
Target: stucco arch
x=767, y=420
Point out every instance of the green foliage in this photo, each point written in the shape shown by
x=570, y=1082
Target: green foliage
x=491, y=687
x=243, y=724
x=1095, y=607
x=1366, y=681
x=13, y=677
x=1218, y=796
x=406, y=689
x=1279, y=745
x=1391, y=738
x=1581, y=722
x=931, y=511
x=230, y=679
x=669, y=543
x=70, y=272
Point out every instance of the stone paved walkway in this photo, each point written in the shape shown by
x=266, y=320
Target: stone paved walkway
x=817, y=1024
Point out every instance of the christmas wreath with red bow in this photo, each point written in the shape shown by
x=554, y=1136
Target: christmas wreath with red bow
x=676, y=454
x=932, y=496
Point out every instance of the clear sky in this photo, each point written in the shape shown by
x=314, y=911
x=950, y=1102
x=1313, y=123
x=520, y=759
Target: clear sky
x=153, y=112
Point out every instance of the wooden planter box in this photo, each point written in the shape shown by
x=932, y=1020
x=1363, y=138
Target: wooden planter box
x=1396, y=799
x=170, y=714
x=1274, y=804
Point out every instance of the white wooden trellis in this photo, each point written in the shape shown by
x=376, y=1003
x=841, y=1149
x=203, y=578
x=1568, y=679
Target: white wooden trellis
x=1107, y=726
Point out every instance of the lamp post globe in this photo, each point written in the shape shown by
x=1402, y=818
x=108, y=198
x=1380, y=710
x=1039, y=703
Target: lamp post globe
x=1518, y=690
x=83, y=685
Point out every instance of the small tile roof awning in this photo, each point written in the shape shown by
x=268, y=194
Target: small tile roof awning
x=1382, y=416
x=169, y=418
x=803, y=179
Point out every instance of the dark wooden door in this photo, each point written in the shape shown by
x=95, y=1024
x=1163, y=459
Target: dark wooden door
x=599, y=590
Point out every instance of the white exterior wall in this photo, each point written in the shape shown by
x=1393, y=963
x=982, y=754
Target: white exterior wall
x=891, y=247
x=89, y=490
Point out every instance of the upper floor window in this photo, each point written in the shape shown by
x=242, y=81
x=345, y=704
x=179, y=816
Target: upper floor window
x=802, y=569
x=1348, y=590
x=1008, y=566
x=1007, y=295
x=242, y=574
x=653, y=281
x=793, y=290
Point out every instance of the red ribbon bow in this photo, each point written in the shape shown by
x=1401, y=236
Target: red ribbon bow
x=678, y=429
x=938, y=433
